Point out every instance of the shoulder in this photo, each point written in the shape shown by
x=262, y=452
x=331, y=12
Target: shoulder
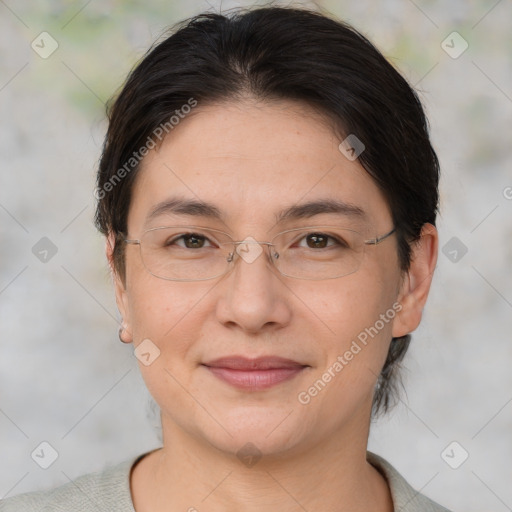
x=102, y=491
x=405, y=498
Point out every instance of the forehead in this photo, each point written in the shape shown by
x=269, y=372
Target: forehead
x=253, y=161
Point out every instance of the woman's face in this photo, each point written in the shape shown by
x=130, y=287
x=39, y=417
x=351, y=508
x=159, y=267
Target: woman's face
x=251, y=161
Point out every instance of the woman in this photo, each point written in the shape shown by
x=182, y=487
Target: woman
x=268, y=193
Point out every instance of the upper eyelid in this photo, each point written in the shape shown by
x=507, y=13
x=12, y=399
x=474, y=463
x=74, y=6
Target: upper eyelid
x=337, y=240
x=322, y=229
x=298, y=228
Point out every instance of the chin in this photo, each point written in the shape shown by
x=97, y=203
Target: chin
x=261, y=429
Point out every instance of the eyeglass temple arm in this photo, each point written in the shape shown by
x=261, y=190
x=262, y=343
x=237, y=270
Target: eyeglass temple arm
x=375, y=241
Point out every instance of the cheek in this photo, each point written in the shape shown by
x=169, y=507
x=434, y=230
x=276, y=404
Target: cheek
x=358, y=316
x=162, y=311
x=171, y=318
x=354, y=305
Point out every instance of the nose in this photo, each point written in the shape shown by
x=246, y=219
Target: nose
x=252, y=295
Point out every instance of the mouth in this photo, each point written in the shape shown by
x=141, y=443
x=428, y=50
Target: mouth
x=254, y=374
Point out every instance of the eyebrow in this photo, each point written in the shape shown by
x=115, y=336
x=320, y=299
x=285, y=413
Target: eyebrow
x=179, y=206
x=198, y=208
x=319, y=206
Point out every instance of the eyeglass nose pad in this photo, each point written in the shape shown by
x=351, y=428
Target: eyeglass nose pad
x=273, y=253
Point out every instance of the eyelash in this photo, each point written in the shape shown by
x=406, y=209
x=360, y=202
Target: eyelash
x=304, y=237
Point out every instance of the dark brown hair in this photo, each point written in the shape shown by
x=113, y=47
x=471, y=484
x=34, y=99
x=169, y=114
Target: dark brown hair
x=278, y=53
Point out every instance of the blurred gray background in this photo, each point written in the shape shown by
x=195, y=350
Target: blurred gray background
x=65, y=379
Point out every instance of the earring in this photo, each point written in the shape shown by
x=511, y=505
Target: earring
x=120, y=334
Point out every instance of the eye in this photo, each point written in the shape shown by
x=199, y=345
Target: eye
x=189, y=241
x=321, y=241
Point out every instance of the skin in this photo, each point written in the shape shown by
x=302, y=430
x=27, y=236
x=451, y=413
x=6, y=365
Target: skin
x=252, y=159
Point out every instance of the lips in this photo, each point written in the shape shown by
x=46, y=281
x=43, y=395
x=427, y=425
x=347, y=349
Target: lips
x=260, y=363
x=254, y=374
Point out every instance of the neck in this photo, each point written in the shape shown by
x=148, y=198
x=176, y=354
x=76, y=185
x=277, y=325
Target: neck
x=188, y=474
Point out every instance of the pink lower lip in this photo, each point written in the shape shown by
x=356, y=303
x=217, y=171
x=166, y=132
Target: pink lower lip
x=255, y=379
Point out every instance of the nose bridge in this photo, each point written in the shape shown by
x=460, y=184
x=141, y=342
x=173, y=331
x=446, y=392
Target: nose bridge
x=250, y=249
x=253, y=298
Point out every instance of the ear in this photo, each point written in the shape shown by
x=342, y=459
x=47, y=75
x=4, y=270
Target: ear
x=120, y=291
x=416, y=283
